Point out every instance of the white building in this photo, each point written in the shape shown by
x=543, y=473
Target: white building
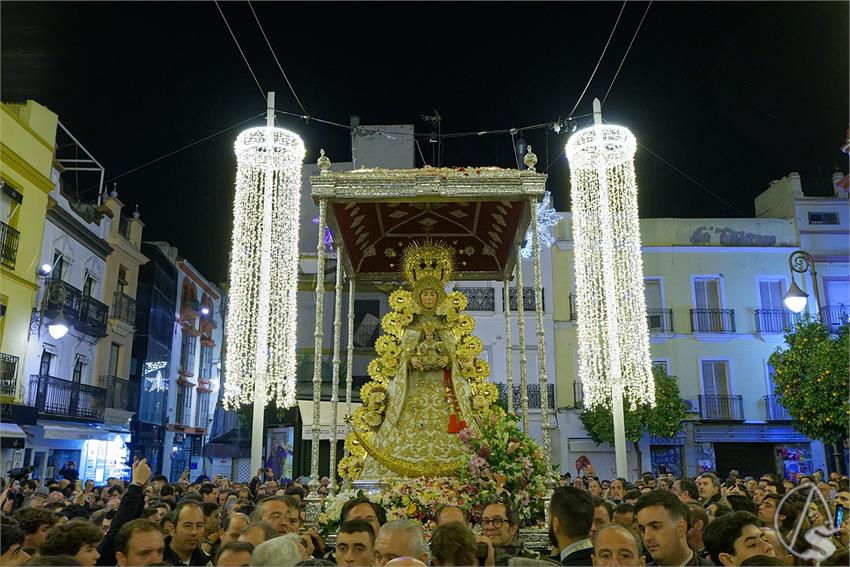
x=61, y=381
x=194, y=375
x=714, y=291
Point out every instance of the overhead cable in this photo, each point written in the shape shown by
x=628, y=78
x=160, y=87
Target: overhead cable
x=282, y=72
x=623, y=60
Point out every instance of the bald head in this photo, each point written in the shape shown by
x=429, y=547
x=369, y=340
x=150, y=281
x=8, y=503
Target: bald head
x=405, y=562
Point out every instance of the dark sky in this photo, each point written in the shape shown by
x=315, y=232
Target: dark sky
x=734, y=94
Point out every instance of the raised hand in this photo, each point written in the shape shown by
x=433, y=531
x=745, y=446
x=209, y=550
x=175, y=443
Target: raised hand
x=141, y=472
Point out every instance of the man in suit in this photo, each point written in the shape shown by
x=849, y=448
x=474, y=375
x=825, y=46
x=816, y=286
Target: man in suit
x=571, y=518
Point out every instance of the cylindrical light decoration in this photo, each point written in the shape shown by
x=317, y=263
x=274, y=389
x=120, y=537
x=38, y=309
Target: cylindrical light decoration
x=613, y=336
x=261, y=323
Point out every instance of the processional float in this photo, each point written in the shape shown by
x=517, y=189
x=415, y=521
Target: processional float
x=481, y=214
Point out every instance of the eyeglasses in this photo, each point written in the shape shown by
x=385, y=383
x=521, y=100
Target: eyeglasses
x=495, y=522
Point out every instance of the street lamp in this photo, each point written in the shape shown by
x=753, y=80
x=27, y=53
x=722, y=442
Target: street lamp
x=58, y=328
x=795, y=298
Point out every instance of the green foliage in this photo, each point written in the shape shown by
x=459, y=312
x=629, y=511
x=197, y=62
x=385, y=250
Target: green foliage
x=664, y=420
x=812, y=380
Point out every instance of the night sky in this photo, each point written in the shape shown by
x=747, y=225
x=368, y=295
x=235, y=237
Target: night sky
x=733, y=94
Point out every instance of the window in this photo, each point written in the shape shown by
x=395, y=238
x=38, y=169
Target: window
x=707, y=293
x=79, y=367
x=823, y=218
x=122, y=279
x=662, y=364
x=205, y=371
x=654, y=313
x=181, y=402
x=203, y=410
x=367, y=322
x=771, y=292
x=187, y=354
x=114, y=357
x=46, y=361
x=88, y=285
x=715, y=377
x=58, y=265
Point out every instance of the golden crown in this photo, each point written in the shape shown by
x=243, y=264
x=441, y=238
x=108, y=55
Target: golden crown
x=428, y=259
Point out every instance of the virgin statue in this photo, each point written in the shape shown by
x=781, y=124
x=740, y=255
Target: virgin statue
x=427, y=384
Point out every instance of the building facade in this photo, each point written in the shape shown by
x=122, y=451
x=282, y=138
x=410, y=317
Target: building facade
x=714, y=295
x=194, y=375
x=150, y=368
x=26, y=158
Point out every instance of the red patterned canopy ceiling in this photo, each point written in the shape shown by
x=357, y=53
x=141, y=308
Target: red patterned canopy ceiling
x=481, y=212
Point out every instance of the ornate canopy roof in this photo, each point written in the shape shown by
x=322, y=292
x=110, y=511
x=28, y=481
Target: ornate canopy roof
x=480, y=212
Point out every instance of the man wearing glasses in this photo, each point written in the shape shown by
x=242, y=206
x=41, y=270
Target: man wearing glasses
x=500, y=523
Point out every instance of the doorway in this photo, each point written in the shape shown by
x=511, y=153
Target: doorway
x=749, y=459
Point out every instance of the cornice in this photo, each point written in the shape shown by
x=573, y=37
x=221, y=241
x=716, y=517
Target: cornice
x=63, y=219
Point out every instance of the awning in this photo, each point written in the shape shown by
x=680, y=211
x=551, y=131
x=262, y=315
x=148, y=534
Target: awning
x=75, y=433
x=9, y=430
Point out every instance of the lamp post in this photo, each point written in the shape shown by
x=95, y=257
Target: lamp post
x=795, y=298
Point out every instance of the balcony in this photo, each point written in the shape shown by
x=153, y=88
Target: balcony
x=121, y=394
x=8, y=375
x=817, y=187
x=123, y=308
x=660, y=321
x=775, y=320
x=721, y=408
x=713, y=321
x=774, y=411
x=9, y=238
x=533, y=396
x=834, y=316
x=86, y=314
x=54, y=396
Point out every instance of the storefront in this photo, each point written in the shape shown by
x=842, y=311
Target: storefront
x=97, y=452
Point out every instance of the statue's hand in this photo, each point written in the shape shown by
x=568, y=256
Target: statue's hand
x=416, y=362
x=443, y=361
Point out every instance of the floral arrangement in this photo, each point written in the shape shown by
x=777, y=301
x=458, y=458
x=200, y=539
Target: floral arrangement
x=502, y=462
x=368, y=418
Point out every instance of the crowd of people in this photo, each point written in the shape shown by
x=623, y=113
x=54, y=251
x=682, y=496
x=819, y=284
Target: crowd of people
x=656, y=520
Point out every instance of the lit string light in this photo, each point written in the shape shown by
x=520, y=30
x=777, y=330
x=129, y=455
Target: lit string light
x=547, y=218
x=261, y=323
x=612, y=331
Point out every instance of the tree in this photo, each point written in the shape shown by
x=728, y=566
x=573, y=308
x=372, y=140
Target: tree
x=811, y=381
x=664, y=420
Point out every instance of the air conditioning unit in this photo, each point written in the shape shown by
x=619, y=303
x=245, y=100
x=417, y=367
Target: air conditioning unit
x=691, y=406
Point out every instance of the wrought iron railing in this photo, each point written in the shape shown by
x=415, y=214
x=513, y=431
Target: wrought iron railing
x=533, y=395
x=55, y=396
x=9, y=238
x=659, y=320
x=775, y=320
x=85, y=313
x=712, y=320
x=120, y=393
x=8, y=375
x=480, y=298
x=774, y=410
x=721, y=408
x=817, y=187
x=527, y=298
x=123, y=307
x=834, y=316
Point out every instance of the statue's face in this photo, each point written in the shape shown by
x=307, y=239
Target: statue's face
x=428, y=298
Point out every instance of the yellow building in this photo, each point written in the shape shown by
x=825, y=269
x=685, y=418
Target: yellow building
x=28, y=134
x=112, y=365
x=714, y=290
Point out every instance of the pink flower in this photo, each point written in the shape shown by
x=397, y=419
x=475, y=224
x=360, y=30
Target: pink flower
x=465, y=434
